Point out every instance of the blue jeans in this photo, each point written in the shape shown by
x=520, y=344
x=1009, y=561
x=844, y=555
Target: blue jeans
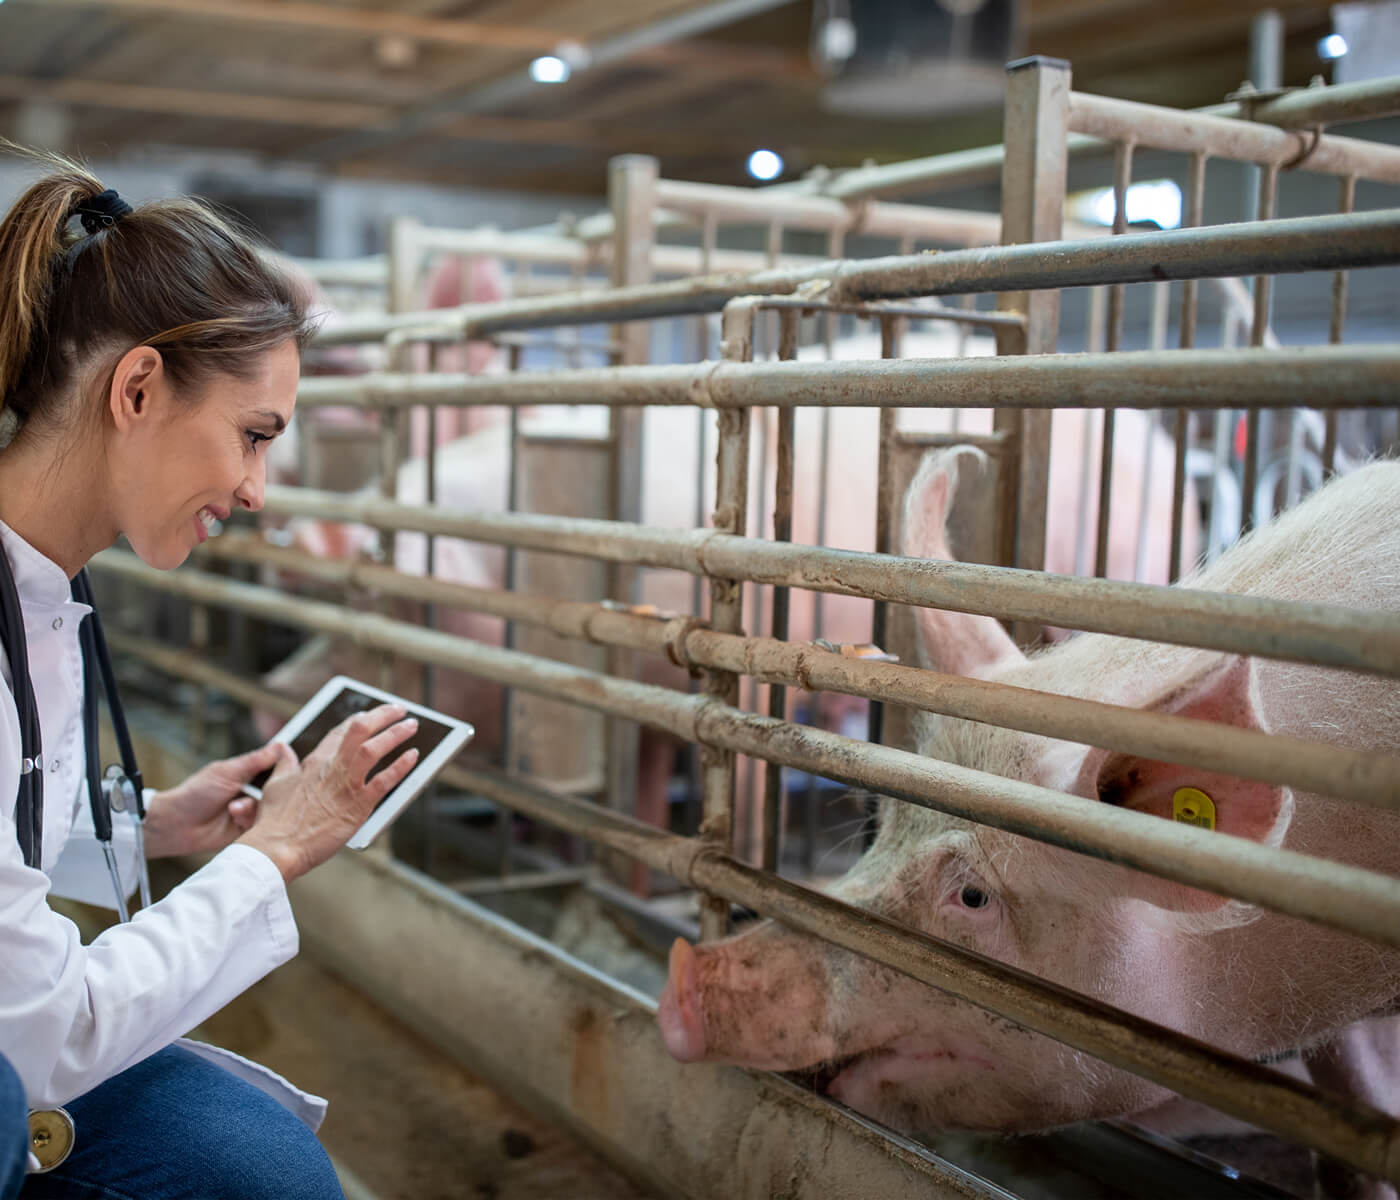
x=176, y=1127
x=14, y=1131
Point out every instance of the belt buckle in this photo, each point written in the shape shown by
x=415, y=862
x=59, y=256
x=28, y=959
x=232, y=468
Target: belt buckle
x=52, y=1135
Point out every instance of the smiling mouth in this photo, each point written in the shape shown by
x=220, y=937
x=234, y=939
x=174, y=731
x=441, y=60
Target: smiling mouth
x=210, y=519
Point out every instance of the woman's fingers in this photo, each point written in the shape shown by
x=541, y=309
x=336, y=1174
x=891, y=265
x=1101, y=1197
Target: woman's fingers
x=255, y=762
x=243, y=812
x=285, y=759
x=376, y=748
x=392, y=775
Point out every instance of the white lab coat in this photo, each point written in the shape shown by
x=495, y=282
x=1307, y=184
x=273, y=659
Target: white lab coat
x=72, y=1016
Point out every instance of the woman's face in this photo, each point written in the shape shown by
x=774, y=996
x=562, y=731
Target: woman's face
x=201, y=460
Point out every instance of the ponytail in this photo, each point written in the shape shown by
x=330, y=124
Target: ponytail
x=171, y=274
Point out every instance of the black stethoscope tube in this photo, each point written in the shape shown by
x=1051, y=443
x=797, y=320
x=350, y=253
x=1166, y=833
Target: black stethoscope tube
x=29, y=804
x=97, y=671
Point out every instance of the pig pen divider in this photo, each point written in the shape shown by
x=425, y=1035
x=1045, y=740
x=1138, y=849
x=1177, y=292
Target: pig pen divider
x=1359, y=902
x=1360, y=1136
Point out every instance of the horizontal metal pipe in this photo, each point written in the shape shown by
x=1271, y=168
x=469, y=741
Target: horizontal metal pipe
x=1326, y=635
x=1325, y=243
x=1372, y=779
x=1301, y=109
x=1317, y=376
x=1362, y=1136
x=734, y=204
x=1127, y=121
x=1342, y=897
x=1305, y=108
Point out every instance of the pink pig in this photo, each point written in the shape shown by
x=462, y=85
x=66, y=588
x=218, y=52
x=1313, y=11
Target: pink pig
x=1250, y=981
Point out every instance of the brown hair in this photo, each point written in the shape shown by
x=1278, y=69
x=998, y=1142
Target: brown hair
x=171, y=274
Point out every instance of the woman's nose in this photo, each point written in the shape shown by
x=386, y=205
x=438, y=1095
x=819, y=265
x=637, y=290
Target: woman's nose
x=250, y=491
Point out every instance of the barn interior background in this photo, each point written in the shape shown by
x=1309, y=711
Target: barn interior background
x=563, y=250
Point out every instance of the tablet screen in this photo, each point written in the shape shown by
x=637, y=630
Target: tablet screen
x=346, y=703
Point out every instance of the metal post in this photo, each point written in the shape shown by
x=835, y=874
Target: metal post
x=631, y=198
x=1032, y=205
x=1190, y=295
x=771, y=857
x=1122, y=177
x=1346, y=202
x=726, y=605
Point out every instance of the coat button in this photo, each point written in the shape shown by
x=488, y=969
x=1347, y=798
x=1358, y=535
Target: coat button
x=58, y=622
x=53, y=764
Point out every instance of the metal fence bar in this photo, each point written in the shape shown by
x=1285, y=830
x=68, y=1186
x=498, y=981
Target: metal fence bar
x=1302, y=109
x=1355, y=1133
x=1224, y=137
x=770, y=850
x=1263, y=293
x=1317, y=767
x=1326, y=635
x=1190, y=307
x=726, y=610
x=878, y=219
x=1117, y=297
x=1346, y=202
x=1321, y=243
x=1351, y=376
x=1341, y=897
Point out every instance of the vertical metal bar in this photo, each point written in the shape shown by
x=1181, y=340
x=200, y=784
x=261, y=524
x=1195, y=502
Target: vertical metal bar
x=632, y=200
x=891, y=336
x=1190, y=310
x=1033, y=192
x=504, y=821
x=1161, y=301
x=1117, y=294
x=1263, y=290
x=771, y=851
x=1346, y=202
x=1266, y=47
x=726, y=605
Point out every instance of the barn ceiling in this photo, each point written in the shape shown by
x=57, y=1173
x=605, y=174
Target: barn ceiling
x=439, y=91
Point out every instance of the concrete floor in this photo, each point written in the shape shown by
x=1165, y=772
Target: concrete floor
x=405, y=1121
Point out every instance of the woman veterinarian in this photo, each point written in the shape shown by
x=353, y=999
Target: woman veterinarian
x=148, y=357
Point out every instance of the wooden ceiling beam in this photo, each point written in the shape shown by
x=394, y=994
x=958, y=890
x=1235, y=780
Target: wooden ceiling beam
x=298, y=14
x=708, y=56
x=191, y=102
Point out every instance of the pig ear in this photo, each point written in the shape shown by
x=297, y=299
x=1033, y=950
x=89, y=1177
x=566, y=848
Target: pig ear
x=1226, y=693
x=959, y=643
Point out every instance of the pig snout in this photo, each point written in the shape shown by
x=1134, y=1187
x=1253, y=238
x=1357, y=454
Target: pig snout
x=756, y=999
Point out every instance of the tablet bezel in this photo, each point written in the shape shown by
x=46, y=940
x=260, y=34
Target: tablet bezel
x=459, y=733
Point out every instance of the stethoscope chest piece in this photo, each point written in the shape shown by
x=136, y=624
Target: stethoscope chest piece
x=52, y=1135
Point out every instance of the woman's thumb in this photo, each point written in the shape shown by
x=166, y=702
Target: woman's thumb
x=287, y=760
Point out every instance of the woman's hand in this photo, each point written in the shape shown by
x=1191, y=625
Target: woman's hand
x=208, y=810
x=309, y=811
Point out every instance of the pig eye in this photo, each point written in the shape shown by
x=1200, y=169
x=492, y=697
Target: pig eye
x=974, y=897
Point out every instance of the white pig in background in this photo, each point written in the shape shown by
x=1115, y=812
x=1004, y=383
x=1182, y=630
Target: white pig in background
x=1245, y=979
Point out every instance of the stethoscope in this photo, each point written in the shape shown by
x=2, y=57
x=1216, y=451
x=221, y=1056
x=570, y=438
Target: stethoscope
x=119, y=788
x=52, y=1132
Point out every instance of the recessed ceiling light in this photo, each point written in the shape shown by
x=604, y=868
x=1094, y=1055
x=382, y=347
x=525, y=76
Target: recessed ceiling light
x=765, y=165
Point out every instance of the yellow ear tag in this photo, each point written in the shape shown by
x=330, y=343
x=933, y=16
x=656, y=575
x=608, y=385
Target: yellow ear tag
x=1191, y=806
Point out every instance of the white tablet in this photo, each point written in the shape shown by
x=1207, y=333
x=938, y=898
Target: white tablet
x=438, y=739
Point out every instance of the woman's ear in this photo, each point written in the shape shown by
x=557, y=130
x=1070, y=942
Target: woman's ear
x=1226, y=693
x=139, y=375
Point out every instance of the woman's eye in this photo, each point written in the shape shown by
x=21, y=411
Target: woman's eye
x=974, y=897
x=254, y=438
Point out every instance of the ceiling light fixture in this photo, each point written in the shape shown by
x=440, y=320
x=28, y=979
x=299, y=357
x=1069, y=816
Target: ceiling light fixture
x=765, y=165
x=549, y=68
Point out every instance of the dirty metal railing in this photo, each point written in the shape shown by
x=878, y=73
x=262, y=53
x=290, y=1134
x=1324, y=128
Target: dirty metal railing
x=1346, y=898
x=1357, y=901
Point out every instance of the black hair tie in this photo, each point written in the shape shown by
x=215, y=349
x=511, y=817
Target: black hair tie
x=101, y=211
